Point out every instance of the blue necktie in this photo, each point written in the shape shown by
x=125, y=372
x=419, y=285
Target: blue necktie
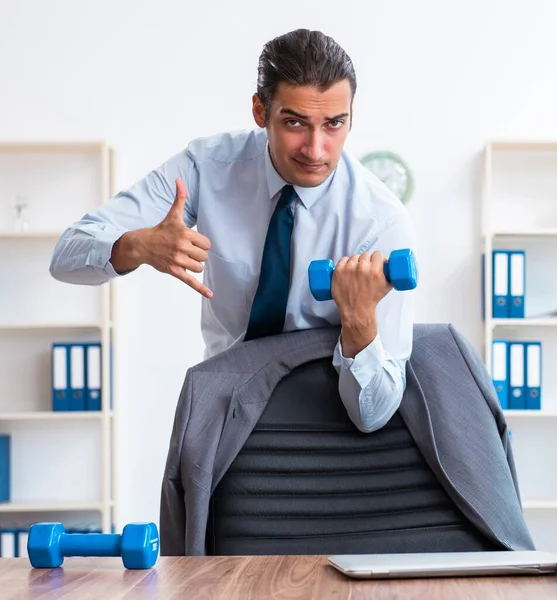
x=269, y=305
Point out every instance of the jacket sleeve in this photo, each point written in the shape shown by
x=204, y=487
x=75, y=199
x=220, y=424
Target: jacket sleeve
x=483, y=379
x=172, y=507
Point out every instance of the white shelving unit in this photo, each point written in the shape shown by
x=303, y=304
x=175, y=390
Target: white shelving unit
x=35, y=507
x=527, y=322
x=529, y=414
x=63, y=463
x=519, y=211
x=52, y=416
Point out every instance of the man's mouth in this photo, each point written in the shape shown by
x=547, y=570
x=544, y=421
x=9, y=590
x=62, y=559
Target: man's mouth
x=309, y=166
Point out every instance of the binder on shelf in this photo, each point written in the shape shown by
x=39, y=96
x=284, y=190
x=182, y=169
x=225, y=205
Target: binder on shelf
x=499, y=371
x=93, y=399
x=517, y=400
x=5, y=471
x=60, y=377
x=8, y=543
x=517, y=283
x=533, y=375
x=22, y=537
x=500, y=261
x=77, y=377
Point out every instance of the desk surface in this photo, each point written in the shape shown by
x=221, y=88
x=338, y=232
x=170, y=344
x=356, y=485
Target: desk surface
x=245, y=578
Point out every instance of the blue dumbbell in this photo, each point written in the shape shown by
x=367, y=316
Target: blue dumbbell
x=48, y=545
x=400, y=270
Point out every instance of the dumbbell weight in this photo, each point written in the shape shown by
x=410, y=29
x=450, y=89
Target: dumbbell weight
x=400, y=270
x=48, y=545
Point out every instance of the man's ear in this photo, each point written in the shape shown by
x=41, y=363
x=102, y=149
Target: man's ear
x=351, y=113
x=258, y=110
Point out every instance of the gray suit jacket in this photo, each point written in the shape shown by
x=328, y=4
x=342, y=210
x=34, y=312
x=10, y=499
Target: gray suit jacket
x=449, y=406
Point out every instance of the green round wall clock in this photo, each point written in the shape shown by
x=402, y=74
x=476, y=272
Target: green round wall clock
x=392, y=171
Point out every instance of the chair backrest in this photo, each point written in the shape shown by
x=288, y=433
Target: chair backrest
x=308, y=482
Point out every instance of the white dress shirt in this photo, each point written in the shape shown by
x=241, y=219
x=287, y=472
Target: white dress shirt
x=233, y=189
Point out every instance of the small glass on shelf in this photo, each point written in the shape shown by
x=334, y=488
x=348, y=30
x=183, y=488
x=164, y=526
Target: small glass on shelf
x=21, y=204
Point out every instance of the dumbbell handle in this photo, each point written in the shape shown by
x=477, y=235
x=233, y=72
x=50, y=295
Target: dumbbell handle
x=91, y=544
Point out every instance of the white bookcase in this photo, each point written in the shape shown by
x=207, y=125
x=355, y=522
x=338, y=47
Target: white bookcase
x=519, y=211
x=62, y=463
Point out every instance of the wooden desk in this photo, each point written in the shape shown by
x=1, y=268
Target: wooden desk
x=245, y=578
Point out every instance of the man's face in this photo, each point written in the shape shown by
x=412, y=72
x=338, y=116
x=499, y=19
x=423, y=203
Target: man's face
x=306, y=130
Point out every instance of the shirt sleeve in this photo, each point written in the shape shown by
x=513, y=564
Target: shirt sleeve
x=82, y=254
x=371, y=384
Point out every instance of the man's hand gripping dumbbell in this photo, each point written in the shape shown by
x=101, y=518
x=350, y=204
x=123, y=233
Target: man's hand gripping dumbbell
x=357, y=284
x=400, y=271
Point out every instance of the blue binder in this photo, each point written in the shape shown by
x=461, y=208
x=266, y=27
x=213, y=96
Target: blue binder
x=93, y=372
x=5, y=473
x=77, y=376
x=9, y=543
x=517, y=283
x=499, y=371
x=500, y=277
x=533, y=375
x=60, y=364
x=22, y=539
x=517, y=396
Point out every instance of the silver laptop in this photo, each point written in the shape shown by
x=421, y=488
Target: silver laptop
x=445, y=564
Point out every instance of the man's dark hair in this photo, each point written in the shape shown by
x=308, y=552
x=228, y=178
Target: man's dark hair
x=302, y=57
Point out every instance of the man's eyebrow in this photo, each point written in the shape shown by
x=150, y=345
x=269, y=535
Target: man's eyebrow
x=289, y=111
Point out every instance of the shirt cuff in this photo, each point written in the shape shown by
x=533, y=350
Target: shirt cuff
x=99, y=256
x=366, y=363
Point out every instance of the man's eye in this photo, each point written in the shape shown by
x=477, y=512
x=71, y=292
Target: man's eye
x=336, y=123
x=293, y=123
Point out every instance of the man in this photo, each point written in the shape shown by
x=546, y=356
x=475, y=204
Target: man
x=266, y=203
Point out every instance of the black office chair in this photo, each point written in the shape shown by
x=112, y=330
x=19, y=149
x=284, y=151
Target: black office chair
x=307, y=481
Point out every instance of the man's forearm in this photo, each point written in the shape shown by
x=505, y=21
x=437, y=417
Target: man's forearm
x=358, y=331
x=129, y=251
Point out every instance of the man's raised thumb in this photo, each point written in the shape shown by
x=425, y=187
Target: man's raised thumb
x=179, y=204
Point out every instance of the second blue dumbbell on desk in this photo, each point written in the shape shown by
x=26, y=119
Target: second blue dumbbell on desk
x=49, y=544
x=400, y=270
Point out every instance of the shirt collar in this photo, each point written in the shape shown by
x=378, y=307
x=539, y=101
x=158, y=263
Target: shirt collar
x=308, y=195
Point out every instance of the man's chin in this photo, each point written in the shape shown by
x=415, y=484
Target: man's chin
x=311, y=180
x=306, y=179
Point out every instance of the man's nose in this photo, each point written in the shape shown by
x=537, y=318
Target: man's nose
x=313, y=149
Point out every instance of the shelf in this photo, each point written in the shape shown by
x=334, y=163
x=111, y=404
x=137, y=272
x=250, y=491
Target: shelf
x=50, y=147
x=91, y=415
x=539, y=504
x=30, y=235
x=528, y=322
x=48, y=326
x=531, y=414
x=542, y=232
x=16, y=507
x=524, y=146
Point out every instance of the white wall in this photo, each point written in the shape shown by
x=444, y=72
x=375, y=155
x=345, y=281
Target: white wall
x=436, y=81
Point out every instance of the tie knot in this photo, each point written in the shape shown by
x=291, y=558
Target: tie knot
x=287, y=196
